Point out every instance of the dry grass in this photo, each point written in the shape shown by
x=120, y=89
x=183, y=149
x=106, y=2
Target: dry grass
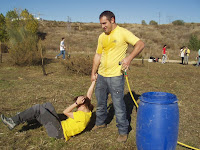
x=154, y=37
x=22, y=87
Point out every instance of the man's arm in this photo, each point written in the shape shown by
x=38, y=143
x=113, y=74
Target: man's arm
x=96, y=63
x=68, y=111
x=90, y=90
x=139, y=46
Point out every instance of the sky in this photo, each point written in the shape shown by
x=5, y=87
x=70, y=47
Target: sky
x=126, y=11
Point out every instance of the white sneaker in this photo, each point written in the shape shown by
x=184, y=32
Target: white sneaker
x=8, y=121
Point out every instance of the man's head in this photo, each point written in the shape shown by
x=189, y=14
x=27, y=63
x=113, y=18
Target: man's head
x=107, y=21
x=63, y=38
x=86, y=103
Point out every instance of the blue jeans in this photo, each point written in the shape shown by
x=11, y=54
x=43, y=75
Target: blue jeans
x=62, y=53
x=114, y=86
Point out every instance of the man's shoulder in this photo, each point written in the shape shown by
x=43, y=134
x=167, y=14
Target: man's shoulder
x=122, y=29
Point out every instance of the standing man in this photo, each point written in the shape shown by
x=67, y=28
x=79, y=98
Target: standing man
x=111, y=49
x=62, y=49
x=186, y=55
x=164, y=56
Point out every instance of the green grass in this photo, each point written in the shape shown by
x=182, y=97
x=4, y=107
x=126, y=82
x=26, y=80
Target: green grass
x=22, y=87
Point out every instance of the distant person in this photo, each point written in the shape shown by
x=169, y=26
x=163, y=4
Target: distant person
x=62, y=49
x=198, y=58
x=182, y=54
x=46, y=115
x=164, y=55
x=111, y=49
x=186, y=55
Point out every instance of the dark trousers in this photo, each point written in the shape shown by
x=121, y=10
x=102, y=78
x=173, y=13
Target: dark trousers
x=46, y=115
x=182, y=58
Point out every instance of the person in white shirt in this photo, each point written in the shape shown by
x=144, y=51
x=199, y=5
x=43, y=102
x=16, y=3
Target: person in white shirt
x=62, y=49
x=182, y=54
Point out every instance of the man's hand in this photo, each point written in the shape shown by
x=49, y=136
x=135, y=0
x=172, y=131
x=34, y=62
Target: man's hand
x=94, y=77
x=80, y=100
x=126, y=63
x=137, y=49
x=96, y=62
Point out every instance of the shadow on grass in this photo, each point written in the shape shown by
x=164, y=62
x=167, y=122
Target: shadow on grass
x=33, y=124
x=130, y=105
x=111, y=112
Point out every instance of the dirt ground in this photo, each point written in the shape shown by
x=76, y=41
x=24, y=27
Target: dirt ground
x=22, y=87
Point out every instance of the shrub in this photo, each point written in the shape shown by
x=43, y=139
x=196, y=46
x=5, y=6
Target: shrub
x=3, y=34
x=178, y=22
x=152, y=22
x=194, y=43
x=79, y=65
x=23, y=40
x=144, y=22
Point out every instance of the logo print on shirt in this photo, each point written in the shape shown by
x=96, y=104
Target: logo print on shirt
x=115, y=41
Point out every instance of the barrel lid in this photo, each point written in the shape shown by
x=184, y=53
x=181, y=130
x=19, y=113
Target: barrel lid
x=158, y=98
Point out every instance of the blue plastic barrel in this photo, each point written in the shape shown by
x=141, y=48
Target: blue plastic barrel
x=157, y=121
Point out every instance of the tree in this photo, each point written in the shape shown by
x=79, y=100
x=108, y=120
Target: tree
x=178, y=22
x=194, y=43
x=3, y=34
x=144, y=22
x=23, y=40
x=152, y=22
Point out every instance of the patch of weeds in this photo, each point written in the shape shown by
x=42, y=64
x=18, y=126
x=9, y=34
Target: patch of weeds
x=4, y=84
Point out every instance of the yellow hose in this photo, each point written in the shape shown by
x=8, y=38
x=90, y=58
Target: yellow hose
x=126, y=76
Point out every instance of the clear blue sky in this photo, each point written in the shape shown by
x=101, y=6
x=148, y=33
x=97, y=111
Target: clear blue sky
x=126, y=11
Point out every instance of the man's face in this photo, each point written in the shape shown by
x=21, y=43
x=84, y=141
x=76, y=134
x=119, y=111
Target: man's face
x=106, y=25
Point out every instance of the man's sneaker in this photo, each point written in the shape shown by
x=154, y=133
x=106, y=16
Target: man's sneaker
x=56, y=57
x=98, y=127
x=8, y=121
x=122, y=138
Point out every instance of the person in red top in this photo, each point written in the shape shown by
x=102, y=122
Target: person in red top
x=164, y=56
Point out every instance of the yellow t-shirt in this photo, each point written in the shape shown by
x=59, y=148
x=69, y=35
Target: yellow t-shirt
x=187, y=51
x=113, y=49
x=75, y=126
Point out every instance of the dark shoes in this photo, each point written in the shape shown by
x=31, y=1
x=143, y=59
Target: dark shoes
x=122, y=138
x=8, y=121
x=98, y=127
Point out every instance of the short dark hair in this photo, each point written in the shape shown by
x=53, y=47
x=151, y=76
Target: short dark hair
x=108, y=14
x=87, y=103
x=63, y=38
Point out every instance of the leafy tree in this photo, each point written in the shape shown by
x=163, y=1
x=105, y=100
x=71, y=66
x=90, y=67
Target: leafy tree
x=3, y=34
x=152, y=22
x=144, y=22
x=178, y=22
x=30, y=23
x=23, y=40
x=194, y=43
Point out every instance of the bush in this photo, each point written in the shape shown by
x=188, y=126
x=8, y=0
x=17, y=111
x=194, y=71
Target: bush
x=178, y=22
x=144, y=22
x=23, y=39
x=3, y=34
x=79, y=65
x=152, y=22
x=194, y=43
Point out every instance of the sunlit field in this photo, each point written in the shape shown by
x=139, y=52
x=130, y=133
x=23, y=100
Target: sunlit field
x=22, y=87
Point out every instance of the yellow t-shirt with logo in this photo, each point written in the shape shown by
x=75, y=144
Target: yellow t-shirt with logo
x=113, y=49
x=75, y=126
